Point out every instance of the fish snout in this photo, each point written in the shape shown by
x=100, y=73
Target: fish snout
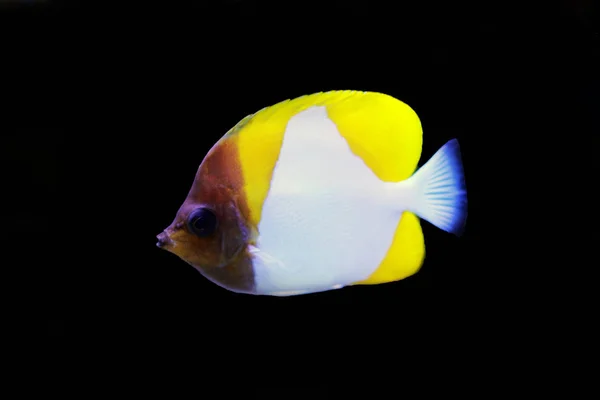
x=164, y=240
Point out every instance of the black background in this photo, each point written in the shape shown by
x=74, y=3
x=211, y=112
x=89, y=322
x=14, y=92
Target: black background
x=108, y=109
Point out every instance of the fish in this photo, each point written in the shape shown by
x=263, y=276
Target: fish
x=318, y=193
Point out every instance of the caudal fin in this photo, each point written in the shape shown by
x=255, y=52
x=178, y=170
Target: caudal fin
x=439, y=189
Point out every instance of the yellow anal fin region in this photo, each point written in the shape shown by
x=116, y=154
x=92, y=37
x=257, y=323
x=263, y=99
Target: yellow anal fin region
x=405, y=256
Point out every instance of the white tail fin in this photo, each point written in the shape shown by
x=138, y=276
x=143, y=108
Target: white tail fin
x=438, y=190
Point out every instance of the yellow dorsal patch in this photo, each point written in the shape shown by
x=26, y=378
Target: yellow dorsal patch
x=383, y=131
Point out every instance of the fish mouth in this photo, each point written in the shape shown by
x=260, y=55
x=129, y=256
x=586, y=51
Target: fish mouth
x=164, y=241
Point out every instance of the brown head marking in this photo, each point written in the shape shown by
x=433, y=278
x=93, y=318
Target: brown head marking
x=221, y=256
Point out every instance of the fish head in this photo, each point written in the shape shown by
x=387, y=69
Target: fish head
x=211, y=231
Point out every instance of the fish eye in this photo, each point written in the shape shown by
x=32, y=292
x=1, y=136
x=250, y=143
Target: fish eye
x=202, y=222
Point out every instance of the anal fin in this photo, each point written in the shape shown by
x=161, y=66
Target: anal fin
x=404, y=257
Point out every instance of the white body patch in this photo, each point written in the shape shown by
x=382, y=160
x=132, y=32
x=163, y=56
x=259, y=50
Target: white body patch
x=328, y=220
